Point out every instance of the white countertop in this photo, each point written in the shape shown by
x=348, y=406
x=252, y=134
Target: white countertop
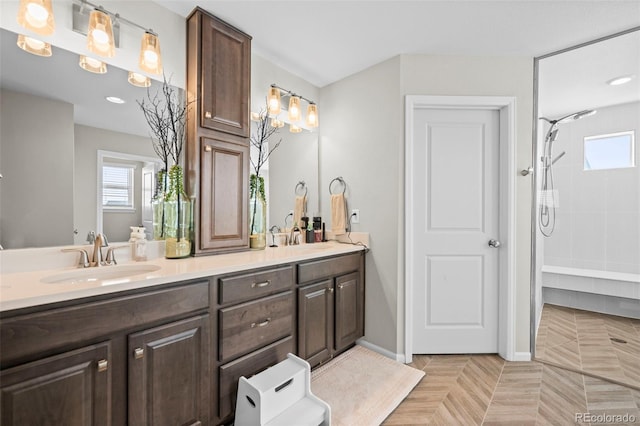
x=26, y=289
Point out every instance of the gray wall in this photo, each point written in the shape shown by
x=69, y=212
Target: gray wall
x=362, y=139
x=598, y=217
x=36, y=161
x=88, y=141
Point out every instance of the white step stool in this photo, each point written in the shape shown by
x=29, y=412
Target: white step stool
x=281, y=396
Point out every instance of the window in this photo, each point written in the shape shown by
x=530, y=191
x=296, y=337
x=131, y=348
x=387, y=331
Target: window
x=117, y=186
x=613, y=151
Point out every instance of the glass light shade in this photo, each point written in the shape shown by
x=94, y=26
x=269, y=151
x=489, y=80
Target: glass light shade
x=255, y=116
x=100, y=34
x=278, y=124
x=34, y=46
x=312, y=115
x=294, y=109
x=294, y=129
x=92, y=65
x=138, y=79
x=150, y=59
x=37, y=16
x=273, y=101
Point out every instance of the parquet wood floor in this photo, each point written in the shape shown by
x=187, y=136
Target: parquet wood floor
x=486, y=390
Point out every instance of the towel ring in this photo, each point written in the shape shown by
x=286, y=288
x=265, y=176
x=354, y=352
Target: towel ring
x=299, y=188
x=340, y=180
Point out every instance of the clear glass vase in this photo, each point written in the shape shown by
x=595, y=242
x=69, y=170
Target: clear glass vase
x=257, y=214
x=178, y=217
x=157, y=205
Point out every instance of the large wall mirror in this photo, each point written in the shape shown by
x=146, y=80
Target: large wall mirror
x=58, y=130
x=586, y=285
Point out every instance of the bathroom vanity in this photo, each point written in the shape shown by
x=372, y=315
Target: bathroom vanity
x=167, y=347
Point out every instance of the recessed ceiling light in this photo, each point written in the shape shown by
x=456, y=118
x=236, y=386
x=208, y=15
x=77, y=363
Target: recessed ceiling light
x=115, y=99
x=620, y=80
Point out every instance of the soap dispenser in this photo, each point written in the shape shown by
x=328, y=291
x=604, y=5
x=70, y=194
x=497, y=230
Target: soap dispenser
x=138, y=241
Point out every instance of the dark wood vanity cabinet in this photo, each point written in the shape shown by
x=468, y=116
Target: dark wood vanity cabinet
x=136, y=359
x=173, y=354
x=331, y=308
x=72, y=388
x=218, y=129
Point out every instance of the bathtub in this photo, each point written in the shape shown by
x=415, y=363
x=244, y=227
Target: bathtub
x=613, y=293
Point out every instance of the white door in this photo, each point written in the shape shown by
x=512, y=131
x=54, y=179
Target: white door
x=456, y=211
x=148, y=188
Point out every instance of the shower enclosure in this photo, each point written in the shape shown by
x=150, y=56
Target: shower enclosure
x=586, y=219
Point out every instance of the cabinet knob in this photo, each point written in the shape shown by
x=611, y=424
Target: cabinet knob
x=103, y=365
x=260, y=285
x=207, y=114
x=207, y=148
x=340, y=286
x=138, y=353
x=260, y=324
x=330, y=289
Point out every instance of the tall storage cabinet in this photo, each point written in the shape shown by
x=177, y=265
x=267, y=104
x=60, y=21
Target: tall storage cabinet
x=218, y=129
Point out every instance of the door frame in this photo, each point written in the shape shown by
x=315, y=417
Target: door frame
x=506, y=106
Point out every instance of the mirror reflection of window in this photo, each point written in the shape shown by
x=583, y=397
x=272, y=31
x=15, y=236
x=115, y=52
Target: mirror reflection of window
x=117, y=186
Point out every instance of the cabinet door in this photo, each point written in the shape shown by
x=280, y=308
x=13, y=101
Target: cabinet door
x=349, y=310
x=169, y=374
x=315, y=322
x=224, y=195
x=70, y=389
x=226, y=78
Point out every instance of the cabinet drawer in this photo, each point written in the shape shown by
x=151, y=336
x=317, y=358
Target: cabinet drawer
x=247, y=366
x=251, y=286
x=313, y=271
x=251, y=325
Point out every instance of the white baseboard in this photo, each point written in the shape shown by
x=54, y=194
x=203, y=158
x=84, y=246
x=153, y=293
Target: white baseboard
x=381, y=350
x=521, y=356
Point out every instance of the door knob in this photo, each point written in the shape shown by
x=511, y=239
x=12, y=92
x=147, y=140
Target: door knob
x=494, y=243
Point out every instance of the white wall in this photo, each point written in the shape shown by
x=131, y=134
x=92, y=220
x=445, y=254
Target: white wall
x=36, y=161
x=362, y=139
x=598, y=216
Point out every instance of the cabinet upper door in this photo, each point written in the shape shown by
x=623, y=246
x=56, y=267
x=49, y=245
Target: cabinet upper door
x=226, y=78
x=68, y=389
x=169, y=374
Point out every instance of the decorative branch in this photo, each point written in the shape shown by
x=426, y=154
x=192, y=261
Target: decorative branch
x=259, y=140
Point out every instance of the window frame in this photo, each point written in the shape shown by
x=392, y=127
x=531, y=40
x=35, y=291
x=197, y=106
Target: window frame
x=130, y=188
x=632, y=150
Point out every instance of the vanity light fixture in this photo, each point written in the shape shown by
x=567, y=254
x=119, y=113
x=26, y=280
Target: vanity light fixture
x=273, y=100
x=150, y=59
x=277, y=95
x=138, y=80
x=312, y=115
x=100, y=34
x=37, y=16
x=92, y=65
x=620, y=80
x=294, y=109
x=34, y=46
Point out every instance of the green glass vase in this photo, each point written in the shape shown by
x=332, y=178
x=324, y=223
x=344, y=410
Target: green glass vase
x=178, y=217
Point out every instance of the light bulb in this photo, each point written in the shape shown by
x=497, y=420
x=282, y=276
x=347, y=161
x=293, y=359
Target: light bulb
x=37, y=15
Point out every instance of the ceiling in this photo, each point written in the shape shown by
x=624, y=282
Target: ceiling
x=324, y=41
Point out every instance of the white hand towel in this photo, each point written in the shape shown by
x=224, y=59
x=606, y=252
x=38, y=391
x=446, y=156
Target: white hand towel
x=338, y=214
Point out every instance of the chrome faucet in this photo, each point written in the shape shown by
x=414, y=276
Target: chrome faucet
x=96, y=259
x=294, y=237
x=99, y=242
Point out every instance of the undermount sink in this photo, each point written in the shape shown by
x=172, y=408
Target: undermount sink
x=101, y=273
